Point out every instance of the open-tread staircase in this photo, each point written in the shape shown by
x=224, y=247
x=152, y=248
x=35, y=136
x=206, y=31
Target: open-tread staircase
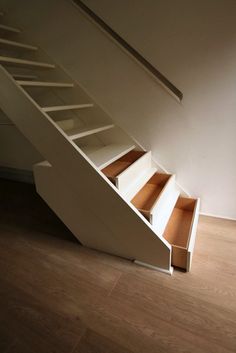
x=100, y=182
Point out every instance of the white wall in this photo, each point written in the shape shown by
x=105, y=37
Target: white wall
x=15, y=150
x=192, y=43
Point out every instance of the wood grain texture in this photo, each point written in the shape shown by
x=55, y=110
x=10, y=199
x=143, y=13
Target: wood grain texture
x=57, y=296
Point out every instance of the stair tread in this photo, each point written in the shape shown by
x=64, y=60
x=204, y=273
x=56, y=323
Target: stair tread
x=44, y=84
x=23, y=77
x=67, y=107
x=17, y=44
x=102, y=156
x=11, y=60
x=78, y=132
x=10, y=29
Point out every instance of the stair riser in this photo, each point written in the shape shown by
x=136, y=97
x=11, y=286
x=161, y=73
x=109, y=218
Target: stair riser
x=125, y=180
x=161, y=210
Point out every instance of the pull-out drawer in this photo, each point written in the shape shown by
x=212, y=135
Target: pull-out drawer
x=121, y=164
x=181, y=229
x=148, y=198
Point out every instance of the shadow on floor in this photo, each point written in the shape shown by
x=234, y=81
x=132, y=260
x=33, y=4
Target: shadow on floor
x=22, y=206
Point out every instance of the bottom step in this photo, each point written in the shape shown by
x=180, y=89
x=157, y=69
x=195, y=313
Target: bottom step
x=180, y=231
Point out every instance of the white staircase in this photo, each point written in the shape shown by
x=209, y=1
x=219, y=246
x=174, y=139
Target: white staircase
x=100, y=182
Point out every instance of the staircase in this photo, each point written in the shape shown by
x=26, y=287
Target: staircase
x=102, y=184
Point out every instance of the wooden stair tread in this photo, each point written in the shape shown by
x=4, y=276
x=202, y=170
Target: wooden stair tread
x=67, y=107
x=147, y=196
x=102, y=156
x=17, y=44
x=16, y=61
x=78, y=132
x=9, y=29
x=117, y=167
x=44, y=84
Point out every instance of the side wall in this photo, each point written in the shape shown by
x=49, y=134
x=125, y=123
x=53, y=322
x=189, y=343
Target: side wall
x=192, y=43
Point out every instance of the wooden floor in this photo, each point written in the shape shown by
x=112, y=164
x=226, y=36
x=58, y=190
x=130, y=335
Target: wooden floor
x=56, y=296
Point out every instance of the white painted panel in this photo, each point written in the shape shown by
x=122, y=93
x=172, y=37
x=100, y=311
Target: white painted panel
x=135, y=170
x=138, y=183
x=76, y=210
x=192, y=235
x=104, y=156
x=164, y=205
x=163, y=212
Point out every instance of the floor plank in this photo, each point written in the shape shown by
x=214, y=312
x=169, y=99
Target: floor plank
x=57, y=296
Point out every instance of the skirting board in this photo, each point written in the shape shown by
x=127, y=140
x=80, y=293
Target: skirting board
x=140, y=263
x=216, y=216
x=25, y=176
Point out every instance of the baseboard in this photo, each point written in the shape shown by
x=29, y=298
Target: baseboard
x=22, y=175
x=217, y=216
x=155, y=268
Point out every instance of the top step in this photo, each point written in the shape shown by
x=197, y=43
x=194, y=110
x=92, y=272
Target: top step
x=9, y=29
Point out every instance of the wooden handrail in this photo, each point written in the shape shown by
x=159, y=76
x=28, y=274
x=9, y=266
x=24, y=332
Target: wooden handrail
x=147, y=65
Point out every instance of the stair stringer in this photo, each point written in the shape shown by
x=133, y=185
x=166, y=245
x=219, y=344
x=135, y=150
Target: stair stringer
x=122, y=230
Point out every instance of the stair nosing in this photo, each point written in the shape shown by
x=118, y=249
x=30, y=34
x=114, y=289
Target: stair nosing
x=17, y=44
x=10, y=29
x=90, y=131
x=67, y=107
x=11, y=60
x=44, y=84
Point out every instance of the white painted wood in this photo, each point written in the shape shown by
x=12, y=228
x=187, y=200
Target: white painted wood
x=77, y=132
x=44, y=84
x=24, y=77
x=17, y=44
x=155, y=268
x=192, y=235
x=101, y=157
x=125, y=180
x=138, y=183
x=9, y=29
x=116, y=226
x=67, y=107
x=23, y=62
x=164, y=205
x=100, y=224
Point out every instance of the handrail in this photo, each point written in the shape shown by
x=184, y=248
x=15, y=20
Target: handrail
x=147, y=65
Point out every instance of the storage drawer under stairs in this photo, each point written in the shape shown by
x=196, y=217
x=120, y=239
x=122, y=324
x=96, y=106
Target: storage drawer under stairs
x=180, y=231
x=121, y=164
x=156, y=200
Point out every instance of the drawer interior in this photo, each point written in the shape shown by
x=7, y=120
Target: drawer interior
x=178, y=230
x=117, y=167
x=147, y=196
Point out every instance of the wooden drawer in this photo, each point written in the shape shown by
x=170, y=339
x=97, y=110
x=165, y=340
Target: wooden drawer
x=146, y=199
x=181, y=229
x=121, y=164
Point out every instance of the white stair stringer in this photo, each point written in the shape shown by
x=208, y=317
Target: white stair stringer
x=79, y=214
x=77, y=191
